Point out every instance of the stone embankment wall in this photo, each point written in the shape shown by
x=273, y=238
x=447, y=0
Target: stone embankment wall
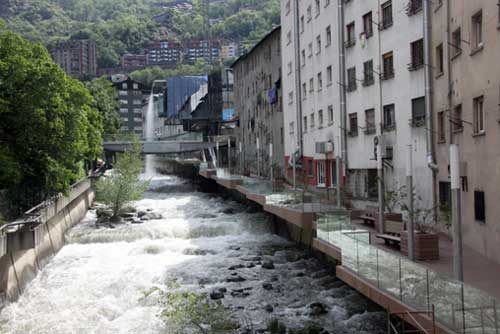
x=27, y=252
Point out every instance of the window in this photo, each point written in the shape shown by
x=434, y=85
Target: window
x=310, y=171
x=124, y=86
x=302, y=24
x=123, y=93
x=290, y=68
x=123, y=102
x=418, y=111
x=456, y=38
x=386, y=15
x=368, y=25
x=305, y=123
x=313, y=123
x=136, y=86
x=320, y=119
x=310, y=49
x=311, y=85
x=445, y=195
x=351, y=79
x=292, y=128
x=353, y=124
x=309, y=13
x=318, y=7
x=370, y=121
x=320, y=81
x=477, y=30
x=289, y=38
x=330, y=114
x=328, y=35
x=389, y=117
x=414, y=6
x=304, y=91
x=327, y=2
x=440, y=127
x=479, y=115
x=351, y=35
x=417, y=55
x=457, y=119
x=137, y=102
x=368, y=73
x=333, y=173
x=371, y=183
x=388, y=63
x=479, y=206
x=318, y=43
x=303, y=54
x=439, y=59
x=287, y=7
x=320, y=166
x=137, y=111
x=123, y=110
x=329, y=75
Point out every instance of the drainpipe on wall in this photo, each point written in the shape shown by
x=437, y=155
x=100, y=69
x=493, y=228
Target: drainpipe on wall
x=431, y=162
x=343, y=109
x=298, y=88
x=380, y=134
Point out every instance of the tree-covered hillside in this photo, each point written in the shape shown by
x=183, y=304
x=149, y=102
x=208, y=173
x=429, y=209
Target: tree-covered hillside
x=126, y=26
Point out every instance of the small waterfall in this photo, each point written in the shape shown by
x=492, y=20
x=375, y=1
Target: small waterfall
x=150, y=134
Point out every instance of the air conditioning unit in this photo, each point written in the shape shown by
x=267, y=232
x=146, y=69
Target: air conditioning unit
x=324, y=147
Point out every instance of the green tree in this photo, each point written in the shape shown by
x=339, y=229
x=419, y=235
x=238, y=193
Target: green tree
x=105, y=101
x=48, y=124
x=124, y=184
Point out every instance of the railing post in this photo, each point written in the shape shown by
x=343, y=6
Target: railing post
x=378, y=271
x=433, y=319
x=428, y=292
x=400, y=281
x=357, y=256
x=495, y=316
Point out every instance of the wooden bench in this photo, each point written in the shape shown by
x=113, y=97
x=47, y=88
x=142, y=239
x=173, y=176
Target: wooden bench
x=370, y=216
x=392, y=232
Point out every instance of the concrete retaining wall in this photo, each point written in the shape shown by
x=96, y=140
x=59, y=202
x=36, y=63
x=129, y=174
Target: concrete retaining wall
x=18, y=268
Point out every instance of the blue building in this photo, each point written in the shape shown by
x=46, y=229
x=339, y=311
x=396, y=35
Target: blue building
x=179, y=89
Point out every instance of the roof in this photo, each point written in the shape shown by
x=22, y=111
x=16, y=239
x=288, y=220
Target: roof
x=243, y=57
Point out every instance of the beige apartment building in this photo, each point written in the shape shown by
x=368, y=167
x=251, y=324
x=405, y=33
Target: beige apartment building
x=466, y=101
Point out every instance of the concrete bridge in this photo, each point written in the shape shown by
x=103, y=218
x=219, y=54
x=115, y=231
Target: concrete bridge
x=161, y=147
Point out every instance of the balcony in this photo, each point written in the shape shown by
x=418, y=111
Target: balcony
x=415, y=65
x=413, y=7
x=387, y=75
x=368, y=81
x=351, y=86
x=387, y=22
x=350, y=42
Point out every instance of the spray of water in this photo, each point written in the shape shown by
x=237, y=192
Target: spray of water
x=150, y=134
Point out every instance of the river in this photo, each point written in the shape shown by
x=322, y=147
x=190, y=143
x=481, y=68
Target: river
x=96, y=283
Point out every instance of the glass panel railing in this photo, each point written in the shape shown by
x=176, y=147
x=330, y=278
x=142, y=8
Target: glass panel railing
x=415, y=285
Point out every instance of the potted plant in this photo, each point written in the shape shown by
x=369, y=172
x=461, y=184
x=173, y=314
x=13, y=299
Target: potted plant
x=426, y=239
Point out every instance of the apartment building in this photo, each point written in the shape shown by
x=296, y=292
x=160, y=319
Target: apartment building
x=466, y=102
x=133, y=61
x=385, y=96
x=77, y=58
x=131, y=97
x=258, y=106
x=196, y=49
x=167, y=53
x=229, y=50
x=311, y=91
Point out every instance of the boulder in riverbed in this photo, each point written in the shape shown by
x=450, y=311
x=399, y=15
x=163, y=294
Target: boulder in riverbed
x=234, y=279
x=268, y=264
x=317, y=309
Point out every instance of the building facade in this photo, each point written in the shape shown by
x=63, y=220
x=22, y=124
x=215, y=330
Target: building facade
x=78, y=58
x=258, y=106
x=169, y=53
x=311, y=92
x=229, y=50
x=134, y=61
x=202, y=49
x=385, y=97
x=132, y=97
x=466, y=102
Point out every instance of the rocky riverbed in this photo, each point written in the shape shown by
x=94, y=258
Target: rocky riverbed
x=96, y=283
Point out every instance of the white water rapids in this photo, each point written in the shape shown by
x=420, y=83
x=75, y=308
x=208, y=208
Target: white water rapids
x=95, y=284
x=150, y=134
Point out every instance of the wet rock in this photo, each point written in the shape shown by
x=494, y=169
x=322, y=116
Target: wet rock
x=268, y=264
x=136, y=221
x=103, y=212
x=234, y=279
x=127, y=215
x=251, y=265
x=218, y=294
x=317, y=309
x=267, y=286
x=141, y=214
x=300, y=274
x=152, y=216
x=116, y=220
x=198, y=251
x=320, y=274
x=269, y=308
x=229, y=211
x=235, y=248
x=238, y=266
x=241, y=293
x=274, y=279
x=205, y=216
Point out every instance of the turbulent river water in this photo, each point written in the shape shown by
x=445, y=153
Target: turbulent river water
x=96, y=283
